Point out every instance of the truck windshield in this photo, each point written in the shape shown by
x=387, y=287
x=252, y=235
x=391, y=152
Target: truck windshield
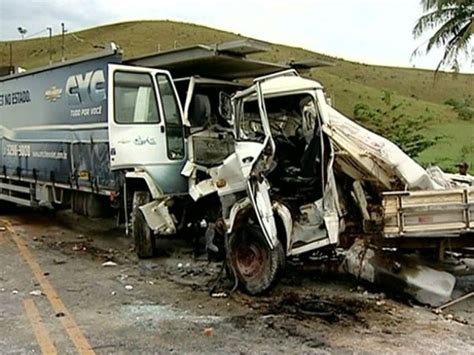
x=288, y=116
x=250, y=127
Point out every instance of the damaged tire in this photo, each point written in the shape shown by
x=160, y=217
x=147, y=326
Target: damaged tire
x=256, y=266
x=141, y=233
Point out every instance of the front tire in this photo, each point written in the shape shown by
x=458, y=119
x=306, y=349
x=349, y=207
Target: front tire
x=256, y=266
x=141, y=233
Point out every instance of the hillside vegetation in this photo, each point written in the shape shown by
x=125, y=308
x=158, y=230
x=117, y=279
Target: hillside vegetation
x=347, y=83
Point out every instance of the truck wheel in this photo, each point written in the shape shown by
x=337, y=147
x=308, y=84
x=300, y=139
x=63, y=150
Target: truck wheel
x=141, y=233
x=257, y=267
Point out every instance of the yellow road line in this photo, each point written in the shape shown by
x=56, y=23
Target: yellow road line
x=80, y=342
x=41, y=334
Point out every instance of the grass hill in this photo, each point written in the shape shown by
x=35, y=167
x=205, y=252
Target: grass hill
x=347, y=83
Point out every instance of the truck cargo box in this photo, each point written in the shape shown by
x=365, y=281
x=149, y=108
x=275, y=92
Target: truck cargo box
x=53, y=124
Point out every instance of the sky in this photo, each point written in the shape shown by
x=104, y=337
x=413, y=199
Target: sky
x=369, y=31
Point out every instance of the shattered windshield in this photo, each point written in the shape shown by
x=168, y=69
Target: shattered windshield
x=291, y=117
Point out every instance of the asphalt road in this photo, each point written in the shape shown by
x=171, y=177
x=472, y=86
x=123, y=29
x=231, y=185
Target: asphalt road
x=57, y=297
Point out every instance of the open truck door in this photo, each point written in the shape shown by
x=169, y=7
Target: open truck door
x=210, y=138
x=255, y=158
x=145, y=127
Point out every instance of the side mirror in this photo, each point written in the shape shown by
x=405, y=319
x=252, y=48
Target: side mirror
x=225, y=106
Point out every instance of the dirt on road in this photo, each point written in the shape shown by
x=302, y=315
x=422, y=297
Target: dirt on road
x=163, y=305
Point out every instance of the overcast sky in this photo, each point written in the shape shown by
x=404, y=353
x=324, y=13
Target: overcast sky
x=371, y=31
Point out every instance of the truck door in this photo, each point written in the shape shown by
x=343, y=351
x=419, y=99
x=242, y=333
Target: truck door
x=145, y=124
x=254, y=145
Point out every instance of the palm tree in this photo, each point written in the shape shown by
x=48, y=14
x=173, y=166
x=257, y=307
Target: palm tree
x=453, y=23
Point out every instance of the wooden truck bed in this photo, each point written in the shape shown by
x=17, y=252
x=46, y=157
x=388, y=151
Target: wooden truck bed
x=446, y=213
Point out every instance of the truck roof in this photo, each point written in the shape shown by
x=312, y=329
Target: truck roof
x=110, y=50
x=289, y=83
x=281, y=83
x=227, y=61
x=209, y=81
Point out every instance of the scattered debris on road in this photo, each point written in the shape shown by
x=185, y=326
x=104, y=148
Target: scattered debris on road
x=400, y=273
x=36, y=293
x=79, y=247
x=208, y=332
x=453, y=302
x=312, y=309
x=109, y=263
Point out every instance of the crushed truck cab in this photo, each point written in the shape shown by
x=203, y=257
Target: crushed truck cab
x=277, y=189
x=303, y=176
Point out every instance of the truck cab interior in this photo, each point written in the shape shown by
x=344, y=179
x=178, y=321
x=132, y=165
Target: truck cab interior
x=300, y=159
x=210, y=138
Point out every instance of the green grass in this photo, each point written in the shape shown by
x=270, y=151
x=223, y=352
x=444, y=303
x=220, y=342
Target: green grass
x=457, y=145
x=347, y=83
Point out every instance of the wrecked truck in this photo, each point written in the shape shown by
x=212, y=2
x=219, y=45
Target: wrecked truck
x=102, y=135
x=304, y=178
x=276, y=171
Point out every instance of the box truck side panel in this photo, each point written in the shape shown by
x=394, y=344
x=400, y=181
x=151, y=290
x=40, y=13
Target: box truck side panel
x=53, y=125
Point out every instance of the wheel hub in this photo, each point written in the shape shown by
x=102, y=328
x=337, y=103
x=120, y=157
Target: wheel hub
x=250, y=260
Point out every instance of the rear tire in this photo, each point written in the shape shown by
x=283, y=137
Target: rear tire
x=141, y=233
x=256, y=266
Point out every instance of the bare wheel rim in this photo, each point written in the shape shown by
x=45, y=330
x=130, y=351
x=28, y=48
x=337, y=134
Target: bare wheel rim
x=250, y=260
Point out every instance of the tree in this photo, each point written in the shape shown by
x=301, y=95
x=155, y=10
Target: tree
x=453, y=23
x=390, y=121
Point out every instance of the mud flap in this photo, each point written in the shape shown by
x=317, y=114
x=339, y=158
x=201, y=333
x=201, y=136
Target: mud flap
x=400, y=273
x=158, y=217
